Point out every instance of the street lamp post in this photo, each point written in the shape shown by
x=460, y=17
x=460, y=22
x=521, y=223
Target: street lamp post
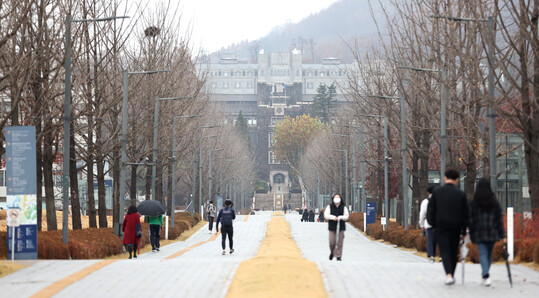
x=67, y=118
x=443, y=115
x=155, y=136
x=386, y=160
x=491, y=40
x=123, y=138
x=172, y=187
x=194, y=183
x=210, y=179
x=403, y=152
x=200, y=173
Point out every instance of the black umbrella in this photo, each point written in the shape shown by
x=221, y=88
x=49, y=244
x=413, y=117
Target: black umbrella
x=463, y=253
x=506, y=257
x=151, y=208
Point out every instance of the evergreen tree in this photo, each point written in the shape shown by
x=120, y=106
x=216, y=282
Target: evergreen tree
x=323, y=101
x=242, y=128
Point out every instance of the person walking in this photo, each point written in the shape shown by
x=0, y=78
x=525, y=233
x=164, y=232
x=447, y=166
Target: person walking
x=321, y=216
x=226, y=217
x=486, y=225
x=131, y=229
x=156, y=223
x=305, y=215
x=311, y=215
x=425, y=227
x=447, y=213
x=336, y=213
x=210, y=210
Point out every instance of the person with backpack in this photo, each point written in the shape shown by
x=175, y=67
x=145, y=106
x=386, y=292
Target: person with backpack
x=425, y=227
x=226, y=217
x=210, y=210
x=486, y=225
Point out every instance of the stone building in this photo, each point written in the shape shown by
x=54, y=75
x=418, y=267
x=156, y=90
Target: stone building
x=266, y=91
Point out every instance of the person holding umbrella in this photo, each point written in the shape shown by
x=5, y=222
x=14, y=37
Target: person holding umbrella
x=336, y=214
x=153, y=211
x=131, y=229
x=486, y=225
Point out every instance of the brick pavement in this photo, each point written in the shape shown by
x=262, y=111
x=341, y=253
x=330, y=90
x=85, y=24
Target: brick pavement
x=373, y=269
x=201, y=272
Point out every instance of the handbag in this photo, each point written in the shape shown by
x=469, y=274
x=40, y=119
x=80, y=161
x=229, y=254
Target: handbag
x=138, y=230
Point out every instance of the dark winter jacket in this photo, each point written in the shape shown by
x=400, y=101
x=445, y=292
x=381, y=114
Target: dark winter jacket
x=311, y=216
x=225, y=217
x=333, y=211
x=486, y=226
x=448, y=208
x=305, y=216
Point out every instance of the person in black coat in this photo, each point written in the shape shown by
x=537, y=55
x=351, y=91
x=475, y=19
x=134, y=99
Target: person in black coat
x=311, y=215
x=486, y=225
x=305, y=216
x=447, y=213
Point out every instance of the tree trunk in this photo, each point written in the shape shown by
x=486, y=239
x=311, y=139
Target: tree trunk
x=117, y=202
x=171, y=201
x=101, y=193
x=39, y=175
x=74, y=184
x=133, y=185
x=48, y=160
x=415, y=188
x=148, y=179
x=90, y=177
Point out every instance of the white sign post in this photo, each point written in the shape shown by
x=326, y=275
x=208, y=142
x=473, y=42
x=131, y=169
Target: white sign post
x=383, y=221
x=510, y=229
x=166, y=227
x=13, y=222
x=365, y=222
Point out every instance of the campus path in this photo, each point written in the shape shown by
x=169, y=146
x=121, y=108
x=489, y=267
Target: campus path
x=373, y=269
x=199, y=272
x=196, y=268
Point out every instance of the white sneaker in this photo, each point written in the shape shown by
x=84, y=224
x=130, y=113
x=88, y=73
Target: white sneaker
x=488, y=282
x=431, y=260
x=449, y=281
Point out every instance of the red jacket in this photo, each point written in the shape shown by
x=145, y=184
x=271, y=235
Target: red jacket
x=129, y=228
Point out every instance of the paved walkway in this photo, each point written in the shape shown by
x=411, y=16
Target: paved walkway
x=200, y=272
x=374, y=269
x=369, y=268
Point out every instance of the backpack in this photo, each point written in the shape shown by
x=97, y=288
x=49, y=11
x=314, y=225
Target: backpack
x=226, y=217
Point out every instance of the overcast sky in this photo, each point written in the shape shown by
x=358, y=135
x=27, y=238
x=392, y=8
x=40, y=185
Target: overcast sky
x=219, y=23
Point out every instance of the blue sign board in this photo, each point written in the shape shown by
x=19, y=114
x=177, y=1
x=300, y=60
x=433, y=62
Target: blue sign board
x=22, y=189
x=371, y=212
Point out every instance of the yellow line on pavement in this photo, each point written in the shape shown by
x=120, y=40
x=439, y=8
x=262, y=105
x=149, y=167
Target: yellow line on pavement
x=63, y=283
x=246, y=218
x=278, y=269
x=181, y=252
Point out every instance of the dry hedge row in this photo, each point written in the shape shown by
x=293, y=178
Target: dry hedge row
x=95, y=243
x=526, y=250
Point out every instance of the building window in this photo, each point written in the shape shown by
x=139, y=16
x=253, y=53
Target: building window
x=225, y=85
x=271, y=140
x=244, y=73
x=219, y=73
x=251, y=121
x=275, y=120
x=213, y=85
x=238, y=73
x=272, y=160
x=237, y=85
x=262, y=72
x=297, y=72
x=249, y=84
x=316, y=73
x=310, y=85
x=226, y=73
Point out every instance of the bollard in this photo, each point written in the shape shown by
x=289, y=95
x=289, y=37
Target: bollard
x=166, y=227
x=365, y=222
x=510, y=228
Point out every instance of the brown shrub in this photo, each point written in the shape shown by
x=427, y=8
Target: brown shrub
x=536, y=253
x=3, y=245
x=3, y=214
x=420, y=243
x=356, y=219
x=375, y=230
x=524, y=249
x=409, y=236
